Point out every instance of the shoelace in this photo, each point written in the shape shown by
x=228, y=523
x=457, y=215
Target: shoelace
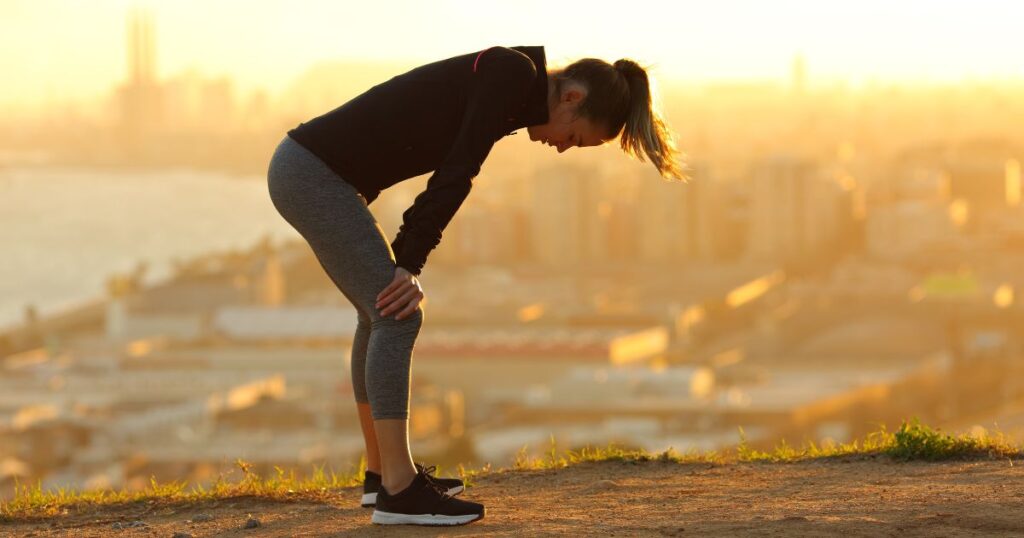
x=428, y=474
x=442, y=491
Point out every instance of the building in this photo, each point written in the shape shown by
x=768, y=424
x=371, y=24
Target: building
x=796, y=208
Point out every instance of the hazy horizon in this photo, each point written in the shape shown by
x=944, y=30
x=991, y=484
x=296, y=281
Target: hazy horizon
x=267, y=47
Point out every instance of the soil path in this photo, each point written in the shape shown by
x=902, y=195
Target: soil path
x=853, y=497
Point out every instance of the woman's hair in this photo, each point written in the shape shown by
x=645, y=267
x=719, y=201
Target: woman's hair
x=619, y=98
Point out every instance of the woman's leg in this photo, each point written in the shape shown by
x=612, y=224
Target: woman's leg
x=360, y=343
x=369, y=437
x=350, y=245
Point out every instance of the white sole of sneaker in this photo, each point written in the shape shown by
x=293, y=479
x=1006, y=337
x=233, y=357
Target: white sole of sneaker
x=389, y=518
x=370, y=499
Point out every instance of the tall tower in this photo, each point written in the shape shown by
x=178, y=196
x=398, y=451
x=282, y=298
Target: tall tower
x=141, y=53
x=799, y=75
x=139, y=96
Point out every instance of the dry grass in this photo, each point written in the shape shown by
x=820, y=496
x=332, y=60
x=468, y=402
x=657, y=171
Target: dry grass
x=913, y=441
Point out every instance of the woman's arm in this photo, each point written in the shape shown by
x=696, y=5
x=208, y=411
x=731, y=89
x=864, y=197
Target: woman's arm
x=502, y=79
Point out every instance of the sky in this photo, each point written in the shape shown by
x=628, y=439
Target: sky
x=70, y=50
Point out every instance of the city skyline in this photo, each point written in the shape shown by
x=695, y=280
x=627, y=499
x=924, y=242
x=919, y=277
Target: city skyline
x=269, y=49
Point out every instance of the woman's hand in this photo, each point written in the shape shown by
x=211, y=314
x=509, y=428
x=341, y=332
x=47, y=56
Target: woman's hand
x=403, y=293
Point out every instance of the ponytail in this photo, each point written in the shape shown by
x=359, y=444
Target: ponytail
x=644, y=131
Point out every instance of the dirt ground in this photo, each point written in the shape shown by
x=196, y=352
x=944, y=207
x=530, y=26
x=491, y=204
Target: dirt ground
x=851, y=497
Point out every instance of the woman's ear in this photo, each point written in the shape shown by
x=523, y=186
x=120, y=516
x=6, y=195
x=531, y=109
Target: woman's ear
x=573, y=94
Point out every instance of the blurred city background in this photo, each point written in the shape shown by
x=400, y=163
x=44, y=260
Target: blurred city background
x=847, y=254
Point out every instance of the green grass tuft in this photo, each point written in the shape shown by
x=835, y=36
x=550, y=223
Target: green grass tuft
x=913, y=441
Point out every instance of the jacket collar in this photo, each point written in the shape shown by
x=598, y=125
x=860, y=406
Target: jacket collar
x=535, y=109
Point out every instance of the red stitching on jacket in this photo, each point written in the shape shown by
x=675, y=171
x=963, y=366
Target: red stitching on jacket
x=478, y=57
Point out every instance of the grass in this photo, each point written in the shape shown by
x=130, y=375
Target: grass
x=31, y=501
x=913, y=441
x=552, y=460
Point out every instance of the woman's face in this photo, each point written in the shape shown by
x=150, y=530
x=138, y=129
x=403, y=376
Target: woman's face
x=561, y=130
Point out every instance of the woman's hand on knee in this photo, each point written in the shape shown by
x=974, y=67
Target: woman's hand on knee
x=403, y=294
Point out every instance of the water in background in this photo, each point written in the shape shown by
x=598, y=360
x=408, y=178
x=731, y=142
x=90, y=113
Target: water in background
x=64, y=231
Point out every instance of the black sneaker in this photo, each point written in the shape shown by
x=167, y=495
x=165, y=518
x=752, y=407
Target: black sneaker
x=424, y=503
x=371, y=485
x=372, y=480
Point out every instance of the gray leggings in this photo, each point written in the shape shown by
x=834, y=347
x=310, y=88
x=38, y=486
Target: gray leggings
x=348, y=242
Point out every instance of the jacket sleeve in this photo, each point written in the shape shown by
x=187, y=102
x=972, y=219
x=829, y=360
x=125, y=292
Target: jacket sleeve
x=502, y=77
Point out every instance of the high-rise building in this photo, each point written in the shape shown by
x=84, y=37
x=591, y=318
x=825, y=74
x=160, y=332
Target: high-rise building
x=676, y=220
x=140, y=48
x=1013, y=182
x=139, y=96
x=796, y=207
x=982, y=181
x=799, y=76
x=557, y=224
x=901, y=231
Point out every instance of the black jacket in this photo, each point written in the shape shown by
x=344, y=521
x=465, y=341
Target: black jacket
x=443, y=116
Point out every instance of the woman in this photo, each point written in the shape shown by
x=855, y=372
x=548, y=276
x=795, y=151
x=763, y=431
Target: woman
x=442, y=117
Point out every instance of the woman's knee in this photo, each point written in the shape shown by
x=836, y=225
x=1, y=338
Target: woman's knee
x=362, y=318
